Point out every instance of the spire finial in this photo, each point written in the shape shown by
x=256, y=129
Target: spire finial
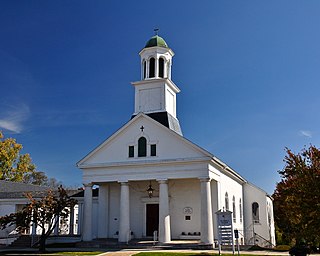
x=156, y=31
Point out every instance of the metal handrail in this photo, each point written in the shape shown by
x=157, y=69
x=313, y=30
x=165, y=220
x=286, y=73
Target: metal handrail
x=264, y=239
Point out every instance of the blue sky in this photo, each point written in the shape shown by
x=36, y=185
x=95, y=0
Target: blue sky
x=248, y=73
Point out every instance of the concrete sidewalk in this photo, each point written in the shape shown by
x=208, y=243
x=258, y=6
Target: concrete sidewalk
x=124, y=252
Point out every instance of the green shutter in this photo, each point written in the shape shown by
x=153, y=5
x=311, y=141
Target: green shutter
x=131, y=151
x=153, y=150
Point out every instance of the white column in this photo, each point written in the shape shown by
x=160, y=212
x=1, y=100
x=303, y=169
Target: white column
x=206, y=212
x=87, y=213
x=124, y=225
x=156, y=67
x=142, y=68
x=34, y=228
x=169, y=69
x=103, y=211
x=165, y=69
x=80, y=219
x=56, y=228
x=164, y=212
x=147, y=68
x=71, y=225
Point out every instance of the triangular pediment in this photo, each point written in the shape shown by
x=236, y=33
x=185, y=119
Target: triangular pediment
x=169, y=145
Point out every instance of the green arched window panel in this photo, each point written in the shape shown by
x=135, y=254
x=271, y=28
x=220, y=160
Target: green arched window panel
x=161, y=67
x=152, y=64
x=142, y=147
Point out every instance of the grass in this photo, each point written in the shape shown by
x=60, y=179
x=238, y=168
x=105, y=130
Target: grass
x=188, y=254
x=78, y=253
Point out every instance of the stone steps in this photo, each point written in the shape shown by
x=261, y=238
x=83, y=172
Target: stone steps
x=23, y=241
x=139, y=244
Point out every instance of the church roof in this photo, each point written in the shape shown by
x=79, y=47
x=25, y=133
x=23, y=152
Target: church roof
x=156, y=41
x=9, y=189
x=18, y=190
x=165, y=119
x=224, y=167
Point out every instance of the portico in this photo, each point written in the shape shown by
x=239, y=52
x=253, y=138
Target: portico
x=134, y=204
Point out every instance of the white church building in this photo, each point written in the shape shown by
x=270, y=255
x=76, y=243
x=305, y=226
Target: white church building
x=151, y=178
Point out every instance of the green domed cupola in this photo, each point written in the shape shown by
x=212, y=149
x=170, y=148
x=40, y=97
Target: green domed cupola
x=156, y=41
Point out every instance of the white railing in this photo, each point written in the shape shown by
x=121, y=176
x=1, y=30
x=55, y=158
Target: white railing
x=155, y=237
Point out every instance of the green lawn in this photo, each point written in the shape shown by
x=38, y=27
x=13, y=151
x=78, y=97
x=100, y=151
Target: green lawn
x=78, y=253
x=188, y=254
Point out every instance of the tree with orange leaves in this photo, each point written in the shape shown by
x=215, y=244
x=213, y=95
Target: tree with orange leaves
x=297, y=196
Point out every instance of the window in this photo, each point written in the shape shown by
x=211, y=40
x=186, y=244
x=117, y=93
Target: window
x=144, y=69
x=153, y=149
x=142, y=147
x=152, y=67
x=240, y=210
x=131, y=151
x=234, y=213
x=255, y=212
x=226, y=199
x=161, y=67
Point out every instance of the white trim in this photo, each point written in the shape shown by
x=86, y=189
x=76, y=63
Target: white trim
x=167, y=81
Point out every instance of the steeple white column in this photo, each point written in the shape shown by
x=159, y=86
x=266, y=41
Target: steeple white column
x=124, y=225
x=206, y=212
x=87, y=213
x=164, y=212
x=147, y=68
x=103, y=211
x=156, y=66
x=169, y=70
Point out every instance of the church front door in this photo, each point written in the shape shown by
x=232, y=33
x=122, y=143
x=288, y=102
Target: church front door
x=152, y=218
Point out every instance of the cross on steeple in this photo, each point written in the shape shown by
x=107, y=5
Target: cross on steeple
x=156, y=31
x=142, y=128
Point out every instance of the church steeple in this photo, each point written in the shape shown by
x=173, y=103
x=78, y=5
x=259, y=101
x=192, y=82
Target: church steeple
x=155, y=93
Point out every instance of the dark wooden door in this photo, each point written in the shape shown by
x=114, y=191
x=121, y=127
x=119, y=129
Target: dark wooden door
x=152, y=218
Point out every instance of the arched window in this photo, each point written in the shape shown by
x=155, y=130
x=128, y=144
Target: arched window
x=234, y=213
x=152, y=65
x=144, y=69
x=161, y=67
x=255, y=212
x=240, y=209
x=226, y=199
x=142, y=147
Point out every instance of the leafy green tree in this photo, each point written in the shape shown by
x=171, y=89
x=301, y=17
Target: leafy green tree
x=13, y=165
x=297, y=196
x=18, y=167
x=43, y=212
x=36, y=178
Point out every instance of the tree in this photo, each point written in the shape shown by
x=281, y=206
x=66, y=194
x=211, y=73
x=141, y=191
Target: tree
x=42, y=212
x=297, y=196
x=36, y=178
x=18, y=167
